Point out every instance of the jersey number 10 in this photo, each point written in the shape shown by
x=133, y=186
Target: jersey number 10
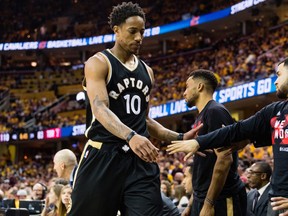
x=133, y=104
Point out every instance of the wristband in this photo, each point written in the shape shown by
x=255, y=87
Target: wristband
x=129, y=137
x=180, y=136
x=211, y=202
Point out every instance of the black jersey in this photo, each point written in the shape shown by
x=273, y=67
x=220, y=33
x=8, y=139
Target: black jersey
x=128, y=92
x=213, y=116
x=269, y=126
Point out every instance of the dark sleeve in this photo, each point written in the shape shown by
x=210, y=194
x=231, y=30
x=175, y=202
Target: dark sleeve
x=264, y=138
x=256, y=128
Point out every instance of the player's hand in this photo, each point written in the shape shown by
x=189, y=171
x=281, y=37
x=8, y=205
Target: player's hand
x=202, y=154
x=143, y=148
x=186, y=211
x=188, y=146
x=223, y=153
x=280, y=203
x=234, y=147
x=192, y=134
x=207, y=210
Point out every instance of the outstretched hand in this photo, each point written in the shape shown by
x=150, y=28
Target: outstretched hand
x=188, y=146
x=192, y=134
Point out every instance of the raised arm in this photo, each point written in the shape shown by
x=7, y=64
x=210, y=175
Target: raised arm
x=159, y=132
x=254, y=128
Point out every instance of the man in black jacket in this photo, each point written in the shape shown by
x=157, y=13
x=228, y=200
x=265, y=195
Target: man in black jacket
x=259, y=179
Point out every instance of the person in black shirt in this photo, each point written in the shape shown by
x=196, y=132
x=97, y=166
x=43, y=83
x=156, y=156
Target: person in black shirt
x=117, y=169
x=226, y=193
x=269, y=126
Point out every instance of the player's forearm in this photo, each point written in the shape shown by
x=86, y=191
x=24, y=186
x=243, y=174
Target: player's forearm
x=159, y=132
x=220, y=173
x=110, y=121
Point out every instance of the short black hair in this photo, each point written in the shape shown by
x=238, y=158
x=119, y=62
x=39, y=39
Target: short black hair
x=265, y=168
x=206, y=75
x=285, y=61
x=123, y=11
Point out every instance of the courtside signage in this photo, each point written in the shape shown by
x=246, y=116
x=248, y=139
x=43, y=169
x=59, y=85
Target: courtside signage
x=239, y=92
x=244, y=5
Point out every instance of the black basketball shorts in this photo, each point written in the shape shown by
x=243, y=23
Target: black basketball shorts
x=111, y=177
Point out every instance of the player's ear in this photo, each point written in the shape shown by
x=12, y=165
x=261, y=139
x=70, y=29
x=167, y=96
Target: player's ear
x=200, y=86
x=116, y=29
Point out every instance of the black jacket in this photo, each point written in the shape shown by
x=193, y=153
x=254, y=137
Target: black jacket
x=262, y=204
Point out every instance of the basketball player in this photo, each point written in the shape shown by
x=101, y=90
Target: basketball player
x=224, y=194
x=117, y=169
x=269, y=126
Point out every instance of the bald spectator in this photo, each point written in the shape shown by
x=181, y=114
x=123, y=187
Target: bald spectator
x=65, y=163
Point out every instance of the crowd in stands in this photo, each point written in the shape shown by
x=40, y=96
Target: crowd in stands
x=234, y=59
x=50, y=20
